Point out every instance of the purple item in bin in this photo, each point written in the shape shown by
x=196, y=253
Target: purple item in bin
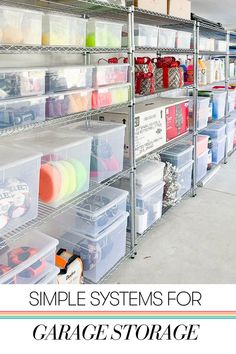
x=57, y=107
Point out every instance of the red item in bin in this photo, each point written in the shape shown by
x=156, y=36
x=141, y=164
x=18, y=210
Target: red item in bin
x=101, y=99
x=177, y=120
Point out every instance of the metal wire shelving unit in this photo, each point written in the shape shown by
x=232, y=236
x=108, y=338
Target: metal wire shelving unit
x=129, y=15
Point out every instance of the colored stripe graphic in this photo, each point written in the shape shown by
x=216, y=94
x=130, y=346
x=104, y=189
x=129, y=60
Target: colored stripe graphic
x=123, y=315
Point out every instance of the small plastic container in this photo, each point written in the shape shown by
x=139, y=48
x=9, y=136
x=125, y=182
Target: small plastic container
x=178, y=155
x=63, y=30
x=145, y=36
x=166, y=38
x=66, y=78
x=230, y=141
x=16, y=83
x=202, y=162
x=99, y=254
x=110, y=95
x=203, y=112
x=202, y=144
x=19, y=26
x=97, y=212
x=184, y=179
x=27, y=259
x=68, y=102
x=218, y=150
x=183, y=40
x=219, y=100
x=149, y=207
x=149, y=174
x=65, y=164
x=215, y=131
x=110, y=74
x=19, y=185
x=51, y=277
x=103, y=34
x=22, y=111
x=107, y=148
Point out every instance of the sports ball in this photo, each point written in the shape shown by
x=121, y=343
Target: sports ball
x=21, y=197
x=6, y=201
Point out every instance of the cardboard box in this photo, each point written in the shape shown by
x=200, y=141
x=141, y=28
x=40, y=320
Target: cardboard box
x=150, y=127
x=159, y=6
x=177, y=120
x=179, y=8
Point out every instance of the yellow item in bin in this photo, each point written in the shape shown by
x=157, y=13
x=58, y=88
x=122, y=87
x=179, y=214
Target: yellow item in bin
x=72, y=177
x=81, y=173
x=12, y=35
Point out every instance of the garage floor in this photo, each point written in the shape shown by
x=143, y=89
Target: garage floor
x=195, y=242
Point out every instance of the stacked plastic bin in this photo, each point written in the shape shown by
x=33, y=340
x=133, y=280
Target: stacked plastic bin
x=181, y=156
x=107, y=154
x=204, y=112
x=22, y=97
x=65, y=165
x=217, y=132
x=230, y=132
x=28, y=260
x=149, y=195
x=95, y=230
x=202, y=156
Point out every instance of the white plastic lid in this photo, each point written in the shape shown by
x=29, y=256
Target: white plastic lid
x=97, y=128
x=62, y=94
x=111, y=65
x=152, y=191
x=16, y=70
x=50, y=141
x=12, y=157
x=56, y=14
x=97, y=20
x=71, y=67
x=42, y=245
x=178, y=150
x=214, y=127
x=11, y=8
x=112, y=87
x=30, y=99
x=113, y=196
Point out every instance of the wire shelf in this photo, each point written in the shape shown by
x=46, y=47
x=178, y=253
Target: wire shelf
x=35, y=49
x=61, y=120
x=140, y=98
x=213, y=53
x=165, y=50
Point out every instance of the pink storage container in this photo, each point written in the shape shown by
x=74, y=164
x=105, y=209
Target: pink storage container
x=202, y=144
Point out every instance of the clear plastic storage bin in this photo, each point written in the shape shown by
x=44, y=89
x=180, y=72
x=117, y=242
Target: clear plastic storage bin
x=97, y=212
x=64, y=30
x=149, y=208
x=145, y=36
x=231, y=100
x=202, y=162
x=65, y=165
x=179, y=155
x=110, y=74
x=166, y=38
x=184, y=179
x=19, y=187
x=218, y=150
x=215, y=131
x=69, y=78
x=99, y=254
x=107, y=148
x=19, y=26
x=203, y=112
x=202, y=144
x=183, y=40
x=230, y=140
x=28, y=259
x=68, y=102
x=149, y=174
x=22, y=82
x=219, y=100
x=231, y=124
x=107, y=96
x=22, y=111
x=103, y=34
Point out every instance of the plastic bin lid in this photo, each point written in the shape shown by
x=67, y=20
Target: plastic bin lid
x=10, y=8
x=16, y=70
x=56, y=14
x=30, y=99
x=112, y=87
x=75, y=237
x=98, y=20
x=62, y=94
x=145, y=195
x=185, y=167
x=12, y=156
x=177, y=150
x=50, y=141
x=214, y=127
x=107, y=65
x=147, y=171
x=68, y=67
x=108, y=196
x=97, y=128
x=38, y=245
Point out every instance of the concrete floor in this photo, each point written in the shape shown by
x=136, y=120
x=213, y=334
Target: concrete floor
x=194, y=243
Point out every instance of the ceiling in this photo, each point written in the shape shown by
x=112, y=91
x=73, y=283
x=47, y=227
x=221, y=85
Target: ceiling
x=217, y=10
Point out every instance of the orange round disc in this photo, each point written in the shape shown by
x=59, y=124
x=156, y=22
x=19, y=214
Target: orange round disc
x=50, y=183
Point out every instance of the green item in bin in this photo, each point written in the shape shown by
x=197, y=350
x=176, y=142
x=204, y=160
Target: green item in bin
x=81, y=174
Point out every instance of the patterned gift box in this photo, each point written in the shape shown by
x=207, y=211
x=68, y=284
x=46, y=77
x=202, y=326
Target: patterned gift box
x=144, y=78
